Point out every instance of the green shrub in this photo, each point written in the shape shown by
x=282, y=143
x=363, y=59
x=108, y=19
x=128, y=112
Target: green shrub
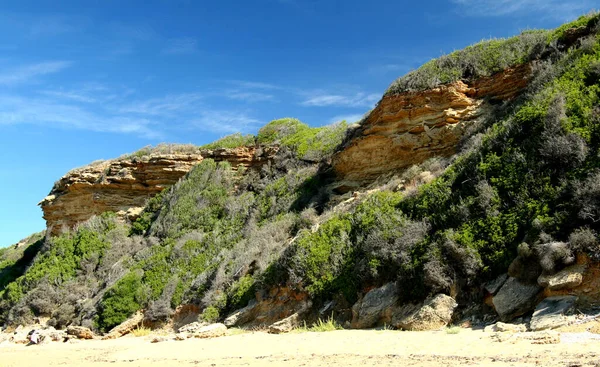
x=210, y=314
x=231, y=141
x=121, y=301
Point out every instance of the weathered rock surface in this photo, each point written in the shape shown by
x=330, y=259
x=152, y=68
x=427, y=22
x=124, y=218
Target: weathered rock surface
x=569, y=277
x=123, y=186
x=286, y=325
x=551, y=313
x=192, y=327
x=434, y=313
x=210, y=331
x=374, y=306
x=125, y=327
x=270, y=307
x=515, y=299
x=408, y=128
x=241, y=316
x=494, y=286
x=80, y=332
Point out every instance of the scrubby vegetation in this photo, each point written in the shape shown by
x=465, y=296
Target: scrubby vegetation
x=489, y=56
x=523, y=195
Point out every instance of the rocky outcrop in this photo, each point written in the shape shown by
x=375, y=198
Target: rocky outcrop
x=206, y=331
x=434, y=313
x=286, y=325
x=125, y=327
x=568, y=278
x=269, y=308
x=551, y=313
x=124, y=185
x=80, y=332
x=374, y=307
x=408, y=128
x=516, y=298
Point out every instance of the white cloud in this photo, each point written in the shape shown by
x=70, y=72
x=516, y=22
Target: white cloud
x=29, y=72
x=180, y=46
x=348, y=118
x=359, y=99
x=164, y=106
x=253, y=85
x=248, y=96
x=226, y=122
x=558, y=9
x=52, y=113
x=71, y=95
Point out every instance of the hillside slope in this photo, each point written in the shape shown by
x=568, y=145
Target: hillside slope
x=483, y=162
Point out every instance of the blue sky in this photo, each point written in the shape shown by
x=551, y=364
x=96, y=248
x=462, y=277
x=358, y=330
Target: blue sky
x=86, y=80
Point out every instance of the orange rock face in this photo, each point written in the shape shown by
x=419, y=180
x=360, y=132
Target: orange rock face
x=408, y=128
x=124, y=186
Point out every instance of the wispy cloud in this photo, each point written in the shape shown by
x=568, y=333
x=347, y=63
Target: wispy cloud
x=179, y=46
x=54, y=25
x=70, y=95
x=226, y=122
x=163, y=106
x=53, y=113
x=29, y=72
x=348, y=118
x=246, y=96
x=360, y=99
x=253, y=85
x=558, y=9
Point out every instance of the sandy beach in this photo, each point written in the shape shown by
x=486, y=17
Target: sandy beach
x=335, y=348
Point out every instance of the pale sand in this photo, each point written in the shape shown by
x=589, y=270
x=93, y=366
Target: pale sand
x=336, y=348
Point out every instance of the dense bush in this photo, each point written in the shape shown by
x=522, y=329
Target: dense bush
x=312, y=144
x=231, y=141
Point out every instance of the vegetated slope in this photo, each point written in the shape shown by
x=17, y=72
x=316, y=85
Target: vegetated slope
x=525, y=185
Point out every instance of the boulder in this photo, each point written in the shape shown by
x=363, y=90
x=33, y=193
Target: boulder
x=494, y=286
x=568, y=278
x=550, y=313
x=125, y=327
x=286, y=325
x=210, y=331
x=192, y=327
x=371, y=308
x=54, y=335
x=80, y=332
x=515, y=298
x=241, y=316
x=434, y=313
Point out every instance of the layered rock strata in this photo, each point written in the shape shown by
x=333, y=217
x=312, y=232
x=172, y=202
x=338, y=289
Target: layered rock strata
x=124, y=185
x=408, y=128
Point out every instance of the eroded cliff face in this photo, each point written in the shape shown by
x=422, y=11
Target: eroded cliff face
x=123, y=186
x=408, y=128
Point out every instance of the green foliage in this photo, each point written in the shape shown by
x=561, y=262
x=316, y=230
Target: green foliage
x=120, y=302
x=485, y=58
x=581, y=22
x=210, y=314
x=162, y=148
x=14, y=261
x=321, y=326
x=324, y=259
x=197, y=202
x=308, y=143
x=231, y=141
x=482, y=59
x=241, y=292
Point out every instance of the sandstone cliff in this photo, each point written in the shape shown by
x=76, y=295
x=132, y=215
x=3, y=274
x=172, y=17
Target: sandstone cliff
x=408, y=128
x=124, y=185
